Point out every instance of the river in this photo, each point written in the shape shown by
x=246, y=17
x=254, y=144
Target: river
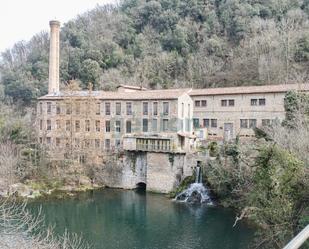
x=122, y=219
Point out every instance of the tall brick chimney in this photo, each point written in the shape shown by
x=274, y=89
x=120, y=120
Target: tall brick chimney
x=53, y=85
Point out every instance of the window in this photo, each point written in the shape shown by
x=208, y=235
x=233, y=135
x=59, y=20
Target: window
x=227, y=102
x=254, y=102
x=77, y=108
x=58, y=108
x=128, y=126
x=68, y=125
x=213, y=123
x=58, y=124
x=145, y=108
x=154, y=125
x=165, y=125
x=107, y=126
x=41, y=108
x=244, y=123
x=206, y=122
x=117, y=143
x=97, y=143
x=145, y=125
x=189, y=114
x=231, y=102
x=57, y=141
x=41, y=140
x=82, y=159
x=197, y=103
x=117, y=126
x=77, y=125
x=196, y=123
x=48, y=124
x=87, y=125
x=48, y=140
x=48, y=107
x=165, y=108
x=129, y=108
x=67, y=144
x=77, y=142
x=262, y=101
x=68, y=109
x=223, y=102
x=107, y=144
x=118, y=108
x=155, y=108
x=98, y=109
x=41, y=124
x=252, y=123
x=265, y=122
x=204, y=103
x=107, y=108
x=87, y=143
x=97, y=125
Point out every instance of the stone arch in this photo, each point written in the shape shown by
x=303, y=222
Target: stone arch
x=141, y=185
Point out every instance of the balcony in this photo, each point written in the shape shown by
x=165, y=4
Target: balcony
x=151, y=144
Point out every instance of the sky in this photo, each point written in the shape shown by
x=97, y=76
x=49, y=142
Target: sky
x=21, y=19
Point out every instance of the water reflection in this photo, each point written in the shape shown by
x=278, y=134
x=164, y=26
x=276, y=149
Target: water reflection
x=134, y=219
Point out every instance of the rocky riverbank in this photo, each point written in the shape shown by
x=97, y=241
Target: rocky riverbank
x=31, y=189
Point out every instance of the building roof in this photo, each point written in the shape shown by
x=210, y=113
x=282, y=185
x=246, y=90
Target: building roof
x=110, y=95
x=249, y=89
x=175, y=93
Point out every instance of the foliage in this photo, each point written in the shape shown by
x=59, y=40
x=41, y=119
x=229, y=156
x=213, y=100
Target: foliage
x=213, y=149
x=163, y=44
x=266, y=185
x=295, y=103
x=183, y=185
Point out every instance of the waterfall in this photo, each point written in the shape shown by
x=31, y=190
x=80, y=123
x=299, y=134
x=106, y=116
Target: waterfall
x=196, y=192
x=198, y=175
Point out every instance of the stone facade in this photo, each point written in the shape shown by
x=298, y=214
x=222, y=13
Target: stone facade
x=135, y=135
x=161, y=172
x=224, y=113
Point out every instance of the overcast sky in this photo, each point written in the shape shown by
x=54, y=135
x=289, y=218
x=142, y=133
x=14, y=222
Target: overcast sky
x=21, y=19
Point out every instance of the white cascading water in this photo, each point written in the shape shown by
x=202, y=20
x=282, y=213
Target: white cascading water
x=196, y=192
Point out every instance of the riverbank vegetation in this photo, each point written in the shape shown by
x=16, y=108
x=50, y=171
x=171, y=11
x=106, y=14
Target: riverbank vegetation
x=19, y=229
x=268, y=181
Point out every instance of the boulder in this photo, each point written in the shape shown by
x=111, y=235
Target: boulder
x=20, y=189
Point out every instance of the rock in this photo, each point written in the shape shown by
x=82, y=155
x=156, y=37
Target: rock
x=4, y=193
x=20, y=189
x=84, y=180
x=195, y=197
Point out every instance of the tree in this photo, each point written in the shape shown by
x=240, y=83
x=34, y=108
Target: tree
x=90, y=72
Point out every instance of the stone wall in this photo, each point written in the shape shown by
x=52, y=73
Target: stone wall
x=161, y=172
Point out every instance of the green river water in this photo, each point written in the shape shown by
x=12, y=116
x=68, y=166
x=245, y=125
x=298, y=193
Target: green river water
x=123, y=219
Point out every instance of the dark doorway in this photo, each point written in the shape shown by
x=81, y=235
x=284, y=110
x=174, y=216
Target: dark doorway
x=141, y=186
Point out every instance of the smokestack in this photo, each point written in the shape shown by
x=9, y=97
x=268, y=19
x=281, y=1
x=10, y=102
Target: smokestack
x=53, y=85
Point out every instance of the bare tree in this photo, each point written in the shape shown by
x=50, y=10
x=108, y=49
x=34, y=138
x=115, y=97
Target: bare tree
x=19, y=229
x=8, y=165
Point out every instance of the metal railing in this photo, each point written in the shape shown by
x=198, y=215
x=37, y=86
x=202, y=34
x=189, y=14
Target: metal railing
x=151, y=147
x=299, y=239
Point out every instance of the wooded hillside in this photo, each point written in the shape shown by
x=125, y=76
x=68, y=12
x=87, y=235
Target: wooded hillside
x=169, y=43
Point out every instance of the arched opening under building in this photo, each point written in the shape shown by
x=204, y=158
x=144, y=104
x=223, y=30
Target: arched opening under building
x=141, y=186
